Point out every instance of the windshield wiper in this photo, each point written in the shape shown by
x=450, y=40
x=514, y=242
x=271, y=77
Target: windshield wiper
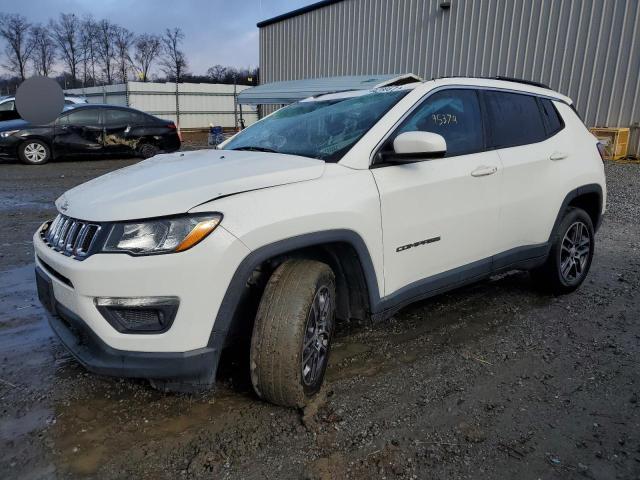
x=256, y=149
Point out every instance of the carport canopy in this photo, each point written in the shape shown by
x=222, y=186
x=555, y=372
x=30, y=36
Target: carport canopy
x=283, y=93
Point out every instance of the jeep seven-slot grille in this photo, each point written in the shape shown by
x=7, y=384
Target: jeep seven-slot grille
x=69, y=236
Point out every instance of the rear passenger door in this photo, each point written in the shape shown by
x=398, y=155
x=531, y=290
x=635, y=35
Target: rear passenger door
x=119, y=130
x=522, y=129
x=440, y=214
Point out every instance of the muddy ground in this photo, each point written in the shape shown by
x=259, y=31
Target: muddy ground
x=491, y=381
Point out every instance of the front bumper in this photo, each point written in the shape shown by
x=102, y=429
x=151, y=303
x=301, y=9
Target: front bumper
x=188, y=350
x=8, y=148
x=196, y=367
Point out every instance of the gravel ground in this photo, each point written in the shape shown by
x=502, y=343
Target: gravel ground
x=494, y=380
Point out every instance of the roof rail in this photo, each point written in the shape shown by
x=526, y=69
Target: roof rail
x=499, y=77
x=521, y=80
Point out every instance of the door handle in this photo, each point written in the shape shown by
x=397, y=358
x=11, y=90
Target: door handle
x=555, y=156
x=484, y=170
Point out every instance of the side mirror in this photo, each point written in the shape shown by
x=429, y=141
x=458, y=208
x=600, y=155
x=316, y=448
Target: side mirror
x=409, y=147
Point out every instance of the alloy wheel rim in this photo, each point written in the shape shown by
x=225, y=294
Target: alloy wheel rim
x=315, y=346
x=574, y=253
x=35, y=152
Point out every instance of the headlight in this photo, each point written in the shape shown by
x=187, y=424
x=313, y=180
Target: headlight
x=164, y=235
x=8, y=133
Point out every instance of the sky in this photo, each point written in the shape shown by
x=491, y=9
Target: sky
x=216, y=31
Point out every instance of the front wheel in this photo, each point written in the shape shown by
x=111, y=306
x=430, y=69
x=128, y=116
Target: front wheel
x=34, y=152
x=292, y=333
x=571, y=254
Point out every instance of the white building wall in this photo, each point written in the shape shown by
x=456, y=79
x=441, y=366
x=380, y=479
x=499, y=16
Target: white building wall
x=201, y=104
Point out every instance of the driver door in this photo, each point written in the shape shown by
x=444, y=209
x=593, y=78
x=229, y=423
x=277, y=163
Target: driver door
x=440, y=216
x=79, y=132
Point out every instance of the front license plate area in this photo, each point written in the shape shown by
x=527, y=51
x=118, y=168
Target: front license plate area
x=45, y=290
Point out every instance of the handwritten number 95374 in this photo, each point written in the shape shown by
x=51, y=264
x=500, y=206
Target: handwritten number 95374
x=441, y=119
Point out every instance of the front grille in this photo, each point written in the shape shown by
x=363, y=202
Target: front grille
x=69, y=236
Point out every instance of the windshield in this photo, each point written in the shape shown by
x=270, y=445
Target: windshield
x=323, y=129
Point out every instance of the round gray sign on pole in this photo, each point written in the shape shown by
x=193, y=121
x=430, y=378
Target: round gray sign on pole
x=39, y=100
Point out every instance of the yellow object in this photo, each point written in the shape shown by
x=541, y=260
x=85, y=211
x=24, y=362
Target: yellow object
x=615, y=141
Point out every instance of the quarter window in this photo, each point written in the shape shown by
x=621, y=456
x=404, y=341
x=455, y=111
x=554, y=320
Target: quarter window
x=551, y=117
x=514, y=119
x=454, y=114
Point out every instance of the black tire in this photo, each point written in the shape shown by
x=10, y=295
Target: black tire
x=148, y=150
x=285, y=319
x=568, y=265
x=34, y=152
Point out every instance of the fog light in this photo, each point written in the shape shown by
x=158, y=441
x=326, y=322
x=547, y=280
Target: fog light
x=139, y=314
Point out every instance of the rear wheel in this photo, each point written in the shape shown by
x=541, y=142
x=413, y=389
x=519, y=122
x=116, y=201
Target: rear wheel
x=571, y=254
x=292, y=333
x=148, y=150
x=34, y=152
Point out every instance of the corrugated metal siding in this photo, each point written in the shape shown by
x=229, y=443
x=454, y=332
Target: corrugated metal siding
x=201, y=104
x=586, y=49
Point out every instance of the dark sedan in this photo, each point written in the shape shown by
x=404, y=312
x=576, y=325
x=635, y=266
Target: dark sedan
x=89, y=131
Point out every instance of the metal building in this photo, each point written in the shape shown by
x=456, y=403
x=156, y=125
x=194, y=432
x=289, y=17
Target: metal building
x=586, y=49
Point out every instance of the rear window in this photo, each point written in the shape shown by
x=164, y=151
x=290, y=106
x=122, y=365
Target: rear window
x=552, y=120
x=514, y=119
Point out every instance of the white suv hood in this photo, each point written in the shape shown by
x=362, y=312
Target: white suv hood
x=175, y=183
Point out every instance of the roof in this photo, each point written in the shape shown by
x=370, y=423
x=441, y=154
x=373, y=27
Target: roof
x=282, y=93
x=295, y=13
x=503, y=84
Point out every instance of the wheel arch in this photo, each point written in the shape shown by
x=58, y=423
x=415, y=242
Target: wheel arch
x=343, y=250
x=589, y=198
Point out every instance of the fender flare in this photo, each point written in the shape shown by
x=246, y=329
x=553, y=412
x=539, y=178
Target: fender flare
x=233, y=294
x=573, y=194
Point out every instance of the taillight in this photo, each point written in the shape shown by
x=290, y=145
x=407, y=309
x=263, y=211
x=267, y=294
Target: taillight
x=601, y=151
x=172, y=126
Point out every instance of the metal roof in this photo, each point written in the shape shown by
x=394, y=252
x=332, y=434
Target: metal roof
x=295, y=13
x=282, y=93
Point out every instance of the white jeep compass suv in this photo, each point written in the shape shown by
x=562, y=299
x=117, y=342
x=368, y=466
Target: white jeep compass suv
x=345, y=205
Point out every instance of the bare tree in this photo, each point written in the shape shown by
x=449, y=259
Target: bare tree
x=122, y=41
x=66, y=33
x=217, y=73
x=105, y=42
x=44, y=51
x=15, y=29
x=88, y=44
x=173, y=63
x=147, y=49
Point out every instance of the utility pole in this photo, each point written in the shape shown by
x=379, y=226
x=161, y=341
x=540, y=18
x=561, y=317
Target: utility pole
x=235, y=101
x=177, y=107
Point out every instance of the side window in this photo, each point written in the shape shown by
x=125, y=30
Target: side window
x=85, y=117
x=552, y=120
x=116, y=118
x=454, y=114
x=514, y=119
x=7, y=106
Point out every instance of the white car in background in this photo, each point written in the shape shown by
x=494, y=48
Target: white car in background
x=342, y=206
